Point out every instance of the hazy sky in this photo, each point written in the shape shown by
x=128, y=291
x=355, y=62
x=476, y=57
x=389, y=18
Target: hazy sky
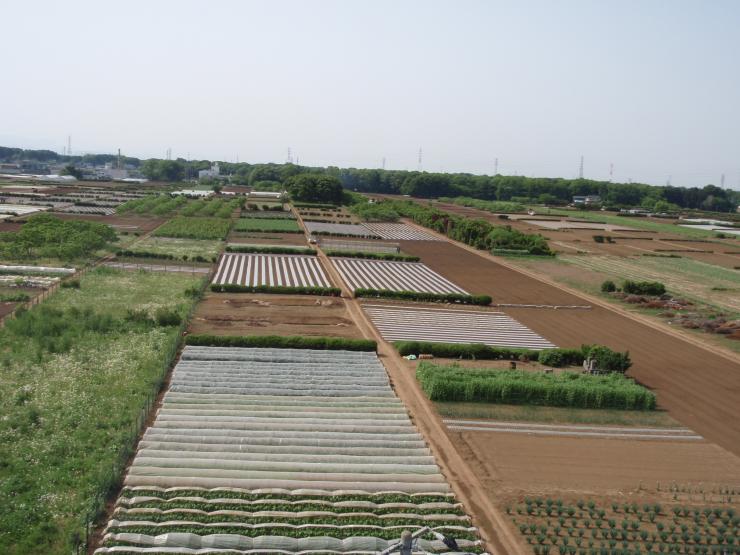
x=650, y=86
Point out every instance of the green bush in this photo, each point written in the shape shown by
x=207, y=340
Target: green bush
x=14, y=297
x=606, y=359
x=457, y=298
x=269, y=249
x=277, y=289
x=373, y=255
x=643, y=287
x=167, y=317
x=70, y=283
x=516, y=387
x=375, y=212
x=463, y=350
x=561, y=357
x=608, y=286
x=289, y=342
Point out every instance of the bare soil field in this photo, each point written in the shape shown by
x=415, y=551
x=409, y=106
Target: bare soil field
x=277, y=239
x=585, y=465
x=265, y=314
x=131, y=224
x=699, y=388
x=9, y=226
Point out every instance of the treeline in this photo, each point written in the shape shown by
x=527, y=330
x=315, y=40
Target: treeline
x=476, y=233
x=509, y=188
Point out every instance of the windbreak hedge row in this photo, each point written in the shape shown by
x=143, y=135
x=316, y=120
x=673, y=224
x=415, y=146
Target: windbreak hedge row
x=516, y=387
x=458, y=298
x=277, y=289
x=279, y=342
x=374, y=255
x=163, y=256
x=267, y=249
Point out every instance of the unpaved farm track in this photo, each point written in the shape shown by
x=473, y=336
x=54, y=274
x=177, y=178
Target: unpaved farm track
x=700, y=388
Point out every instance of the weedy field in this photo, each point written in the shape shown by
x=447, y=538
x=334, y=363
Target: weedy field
x=76, y=372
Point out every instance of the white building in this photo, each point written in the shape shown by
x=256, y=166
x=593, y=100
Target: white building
x=213, y=173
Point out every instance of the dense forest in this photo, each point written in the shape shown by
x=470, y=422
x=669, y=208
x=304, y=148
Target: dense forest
x=549, y=190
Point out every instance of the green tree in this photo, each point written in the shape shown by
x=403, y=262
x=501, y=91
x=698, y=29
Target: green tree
x=315, y=187
x=70, y=169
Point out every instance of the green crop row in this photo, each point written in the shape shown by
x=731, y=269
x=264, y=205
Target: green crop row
x=268, y=249
x=456, y=298
x=194, y=228
x=276, y=289
x=515, y=387
x=283, y=342
x=373, y=255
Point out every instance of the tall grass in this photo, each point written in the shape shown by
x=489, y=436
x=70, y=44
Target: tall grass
x=516, y=387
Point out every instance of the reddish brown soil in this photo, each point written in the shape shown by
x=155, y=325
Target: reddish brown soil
x=239, y=314
x=132, y=224
x=9, y=226
x=537, y=463
x=699, y=388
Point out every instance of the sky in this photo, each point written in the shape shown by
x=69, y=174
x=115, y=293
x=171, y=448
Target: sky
x=649, y=86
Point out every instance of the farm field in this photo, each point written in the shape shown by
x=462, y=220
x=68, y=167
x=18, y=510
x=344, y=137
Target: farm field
x=394, y=276
x=318, y=424
x=70, y=395
x=702, y=400
x=178, y=248
x=121, y=223
x=272, y=270
x=277, y=239
x=278, y=225
x=322, y=228
x=268, y=314
x=399, y=231
x=405, y=323
x=195, y=228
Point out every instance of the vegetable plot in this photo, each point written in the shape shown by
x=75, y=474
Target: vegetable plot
x=271, y=270
x=400, y=232
x=282, y=449
x=393, y=276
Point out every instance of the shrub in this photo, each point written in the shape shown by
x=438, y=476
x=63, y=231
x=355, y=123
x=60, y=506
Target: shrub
x=269, y=249
x=568, y=389
x=458, y=298
x=167, y=317
x=373, y=255
x=608, y=286
x=462, y=350
x=606, y=359
x=281, y=342
x=643, y=287
x=561, y=357
x=70, y=283
x=278, y=289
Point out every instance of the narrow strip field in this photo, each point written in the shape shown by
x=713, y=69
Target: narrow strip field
x=400, y=323
x=394, y=276
x=271, y=270
x=282, y=450
x=654, y=434
x=353, y=230
x=400, y=231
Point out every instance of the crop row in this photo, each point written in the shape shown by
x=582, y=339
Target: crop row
x=267, y=225
x=194, y=228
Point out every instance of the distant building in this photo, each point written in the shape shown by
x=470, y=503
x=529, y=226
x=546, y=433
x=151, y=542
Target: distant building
x=10, y=169
x=192, y=193
x=587, y=199
x=213, y=173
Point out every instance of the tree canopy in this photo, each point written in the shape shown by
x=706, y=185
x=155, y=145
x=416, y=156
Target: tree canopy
x=315, y=187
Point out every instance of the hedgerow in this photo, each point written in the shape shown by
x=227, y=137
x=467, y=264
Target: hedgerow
x=517, y=387
x=277, y=289
x=643, y=287
x=162, y=256
x=283, y=342
x=456, y=298
x=269, y=249
x=374, y=255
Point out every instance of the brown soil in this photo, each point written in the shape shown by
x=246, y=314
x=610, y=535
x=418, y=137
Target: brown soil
x=604, y=466
x=9, y=226
x=239, y=314
x=699, y=388
x=131, y=224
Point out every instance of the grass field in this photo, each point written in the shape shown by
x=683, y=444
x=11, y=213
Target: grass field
x=282, y=225
x=66, y=414
x=178, y=247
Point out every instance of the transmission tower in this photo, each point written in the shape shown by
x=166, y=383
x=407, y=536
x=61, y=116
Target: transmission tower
x=722, y=181
x=69, y=145
x=419, y=166
x=580, y=169
x=382, y=164
x=611, y=172
x=290, y=157
x=495, y=167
